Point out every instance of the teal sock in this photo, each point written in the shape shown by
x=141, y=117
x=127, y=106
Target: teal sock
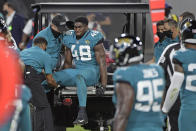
x=81, y=90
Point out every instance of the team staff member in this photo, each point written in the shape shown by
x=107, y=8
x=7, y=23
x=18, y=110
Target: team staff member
x=159, y=46
x=54, y=35
x=168, y=35
x=14, y=21
x=36, y=60
x=171, y=31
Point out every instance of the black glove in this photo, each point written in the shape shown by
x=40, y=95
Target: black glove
x=100, y=89
x=56, y=90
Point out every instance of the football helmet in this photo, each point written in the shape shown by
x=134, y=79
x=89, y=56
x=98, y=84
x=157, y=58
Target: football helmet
x=3, y=27
x=127, y=49
x=189, y=33
x=186, y=17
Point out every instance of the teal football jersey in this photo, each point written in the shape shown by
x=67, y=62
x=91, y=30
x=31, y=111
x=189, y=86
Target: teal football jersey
x=188, y=90
x=20, y=120
x=83, y=49
x=187, y=116
x=148, y=83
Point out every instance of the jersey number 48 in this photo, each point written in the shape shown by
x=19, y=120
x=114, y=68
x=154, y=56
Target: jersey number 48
x=83, y=53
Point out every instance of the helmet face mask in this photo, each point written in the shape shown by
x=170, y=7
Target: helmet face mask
x=127, y=49
x=185, y=23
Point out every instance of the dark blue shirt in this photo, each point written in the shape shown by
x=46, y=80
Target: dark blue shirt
x=17, y=26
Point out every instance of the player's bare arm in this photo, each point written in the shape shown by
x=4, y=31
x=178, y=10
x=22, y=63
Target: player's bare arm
x=125, y=97
x=101, y=60
x=178, y=68
x=68, y=58
x=51, y=80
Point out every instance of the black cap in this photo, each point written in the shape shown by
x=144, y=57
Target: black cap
x=60, y=22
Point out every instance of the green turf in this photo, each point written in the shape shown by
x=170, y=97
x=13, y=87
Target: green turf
x=79, y=128
x=76, y=128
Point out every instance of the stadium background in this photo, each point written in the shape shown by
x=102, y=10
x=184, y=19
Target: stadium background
x=118, y=20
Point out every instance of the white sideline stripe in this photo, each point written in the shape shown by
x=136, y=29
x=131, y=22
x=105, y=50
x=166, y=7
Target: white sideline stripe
x=88, y=88
x=89, y=93
x=154, y=23
x=158, y=11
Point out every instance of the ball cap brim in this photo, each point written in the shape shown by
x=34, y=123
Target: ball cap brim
x=60, y=22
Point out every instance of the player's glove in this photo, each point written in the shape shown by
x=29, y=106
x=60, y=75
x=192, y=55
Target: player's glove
x=57, y=89
x=100, y=89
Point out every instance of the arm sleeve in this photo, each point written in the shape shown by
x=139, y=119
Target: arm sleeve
x=97, y=38
x=173, y=91
x=25, y=123
x=65, y=41
x=48, y=64
x=67, y=37
x=178, y=58
x=28, y=27
x=121, y=76
x=176, y=61
x=118, y=77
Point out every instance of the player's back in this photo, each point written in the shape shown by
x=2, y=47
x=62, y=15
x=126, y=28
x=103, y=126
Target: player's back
x=148, y=84
x=186, y=57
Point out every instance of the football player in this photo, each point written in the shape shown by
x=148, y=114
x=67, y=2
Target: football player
x=183, y=80
x=84, y=49
x=20, y=119
x=138, y=88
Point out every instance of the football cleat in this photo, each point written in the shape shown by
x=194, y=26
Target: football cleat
x=81, y=119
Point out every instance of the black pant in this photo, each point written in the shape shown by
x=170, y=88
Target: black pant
x=42, y=120
x=173, y=115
